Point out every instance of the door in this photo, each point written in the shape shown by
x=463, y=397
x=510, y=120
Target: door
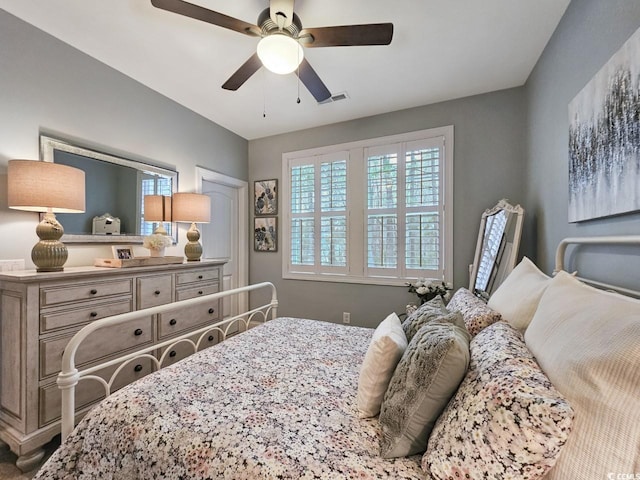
x=225, y=235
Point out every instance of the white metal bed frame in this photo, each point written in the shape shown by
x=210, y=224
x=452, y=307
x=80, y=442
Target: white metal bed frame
x=603, y=240
x=69, y=375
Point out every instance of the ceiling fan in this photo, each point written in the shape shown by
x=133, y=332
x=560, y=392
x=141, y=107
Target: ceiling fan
x=282, y=37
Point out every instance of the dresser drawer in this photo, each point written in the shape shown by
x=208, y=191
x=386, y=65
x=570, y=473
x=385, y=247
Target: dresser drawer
x=184, y=349
x=154, y=291
x=134, y=334
x=173, y=322
x=204, y=275
x=186, y=293
x=91, y=290
x=67, y=318
x=89, y=391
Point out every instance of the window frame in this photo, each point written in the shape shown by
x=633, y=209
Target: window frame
x=356, y=269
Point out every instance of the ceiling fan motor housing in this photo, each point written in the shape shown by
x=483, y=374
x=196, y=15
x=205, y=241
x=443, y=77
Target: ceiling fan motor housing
x=268, y=26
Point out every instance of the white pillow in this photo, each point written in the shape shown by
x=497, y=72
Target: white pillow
x=588, y=343
x=385, y=350
x=516, y=299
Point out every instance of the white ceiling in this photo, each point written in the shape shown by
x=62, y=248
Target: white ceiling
x=441, y=49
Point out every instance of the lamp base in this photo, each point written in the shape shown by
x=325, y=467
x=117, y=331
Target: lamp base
x=193, y=248
x=49, y=254
x=160, y=230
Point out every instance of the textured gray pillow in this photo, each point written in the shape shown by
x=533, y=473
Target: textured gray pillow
x=429, y=311
x=429, y=372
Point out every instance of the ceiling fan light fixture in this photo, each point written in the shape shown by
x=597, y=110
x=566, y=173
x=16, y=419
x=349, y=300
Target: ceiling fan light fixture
x=280, y=53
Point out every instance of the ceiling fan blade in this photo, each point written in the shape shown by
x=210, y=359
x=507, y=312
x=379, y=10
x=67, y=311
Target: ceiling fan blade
x=348, y=35
x=200, y=13
x=243, y=74
x=312, y=81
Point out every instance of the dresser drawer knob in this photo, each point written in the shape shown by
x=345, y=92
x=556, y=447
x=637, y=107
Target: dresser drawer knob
x=200, y=292
x=93, y=314
x=138, y=332
x=138, y=368
x=172, y=353
x=93, y=291
x=210, y=338
x=200, y=277
x=211, y=310
x=173, y=321
x=157, y=292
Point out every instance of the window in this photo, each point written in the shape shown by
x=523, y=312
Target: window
x=152, y=185
x=371, y=211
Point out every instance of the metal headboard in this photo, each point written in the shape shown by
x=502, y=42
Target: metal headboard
x=603, y=240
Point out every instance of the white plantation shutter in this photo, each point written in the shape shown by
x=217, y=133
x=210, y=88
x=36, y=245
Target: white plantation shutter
x=333, y=208
x=382, y=204
x=302, y=231
x=404, y=209
x=371, y=211
x=424, y=205
x=153, y=185
x=318, y=229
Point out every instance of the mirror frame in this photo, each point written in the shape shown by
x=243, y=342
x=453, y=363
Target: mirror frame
x=48, y=145
x=506, y=265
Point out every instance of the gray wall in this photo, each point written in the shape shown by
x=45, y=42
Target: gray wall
x=590, y=32
x=48, y=86
x=488, y=165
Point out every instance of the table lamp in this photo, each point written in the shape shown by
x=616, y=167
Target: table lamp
x=191, y=208
x=157, y=208
x=51, y=188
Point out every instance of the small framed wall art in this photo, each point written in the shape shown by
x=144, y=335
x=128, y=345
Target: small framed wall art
x=265, y=234
x=265, y=197
x=122, y=252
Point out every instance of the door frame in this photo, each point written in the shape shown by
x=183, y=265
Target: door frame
x=207, y=175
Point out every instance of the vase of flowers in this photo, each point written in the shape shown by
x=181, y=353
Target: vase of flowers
x=427, y=289
x=156, y=244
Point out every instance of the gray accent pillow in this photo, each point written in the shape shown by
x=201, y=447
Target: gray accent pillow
x=427, y=376
x=429, y=311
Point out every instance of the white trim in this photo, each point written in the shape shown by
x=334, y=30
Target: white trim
x=204, y=174
x=355, y=223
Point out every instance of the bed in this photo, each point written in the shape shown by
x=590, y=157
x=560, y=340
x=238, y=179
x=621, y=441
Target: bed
x=281, y=399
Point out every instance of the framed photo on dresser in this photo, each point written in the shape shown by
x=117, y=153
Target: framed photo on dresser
x=122, y=252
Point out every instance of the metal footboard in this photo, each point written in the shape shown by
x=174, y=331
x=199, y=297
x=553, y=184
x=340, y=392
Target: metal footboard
x=69, y=375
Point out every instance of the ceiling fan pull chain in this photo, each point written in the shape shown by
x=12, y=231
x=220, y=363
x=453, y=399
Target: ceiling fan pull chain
x=264, y=96
x=298, y=74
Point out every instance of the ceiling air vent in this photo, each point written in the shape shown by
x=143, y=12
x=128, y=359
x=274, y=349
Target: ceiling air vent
x=335, y=98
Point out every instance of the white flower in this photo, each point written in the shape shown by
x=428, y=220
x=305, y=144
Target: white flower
x=156, y=241
x=421, y=290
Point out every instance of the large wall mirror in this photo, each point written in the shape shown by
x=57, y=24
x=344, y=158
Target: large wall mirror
x=115, y=189
x=497, y=247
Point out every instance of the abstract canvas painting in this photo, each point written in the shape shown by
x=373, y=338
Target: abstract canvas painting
x=604, y=139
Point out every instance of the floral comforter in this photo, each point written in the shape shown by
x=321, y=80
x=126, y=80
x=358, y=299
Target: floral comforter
x=278, y=401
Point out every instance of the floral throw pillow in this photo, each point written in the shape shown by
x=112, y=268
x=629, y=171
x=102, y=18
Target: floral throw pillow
x=477, y=314
x=506, y=420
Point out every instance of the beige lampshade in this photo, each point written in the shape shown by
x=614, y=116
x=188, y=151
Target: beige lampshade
x=191, y=207
x=39, y=186
x=157, y=208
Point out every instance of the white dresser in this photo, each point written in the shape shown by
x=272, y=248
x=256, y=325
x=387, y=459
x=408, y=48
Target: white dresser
x=40, y=312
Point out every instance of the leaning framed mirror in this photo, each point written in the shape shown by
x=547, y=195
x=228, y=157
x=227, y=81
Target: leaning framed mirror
x=115, y=189
x=497, y=247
